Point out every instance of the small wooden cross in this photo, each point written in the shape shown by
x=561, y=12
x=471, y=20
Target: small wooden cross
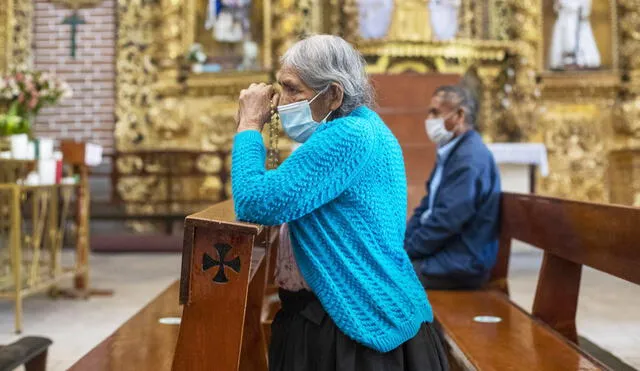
x=74, y=21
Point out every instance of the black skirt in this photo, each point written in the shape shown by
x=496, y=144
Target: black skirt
x=305, y=338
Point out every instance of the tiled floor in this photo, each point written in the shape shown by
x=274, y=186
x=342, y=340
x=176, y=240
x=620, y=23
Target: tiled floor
x=76, y=326
x=608, y=313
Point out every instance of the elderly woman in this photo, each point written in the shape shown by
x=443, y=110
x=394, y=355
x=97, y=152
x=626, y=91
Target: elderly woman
x=350, y=297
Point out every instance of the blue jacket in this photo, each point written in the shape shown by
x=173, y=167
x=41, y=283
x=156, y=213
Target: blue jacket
x=344, y=197
x=459, y=238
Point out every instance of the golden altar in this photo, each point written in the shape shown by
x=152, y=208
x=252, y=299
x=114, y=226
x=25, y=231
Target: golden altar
x=588, y=119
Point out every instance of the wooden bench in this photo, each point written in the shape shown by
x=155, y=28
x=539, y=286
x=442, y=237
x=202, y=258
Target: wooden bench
x=223, y=290
x=227, y=297
x=572, y=235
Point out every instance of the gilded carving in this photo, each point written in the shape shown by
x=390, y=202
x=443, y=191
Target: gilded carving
x=410, y=22
x=171, y=28
x=6, y=34
x=499, y=15
x=574, y=135
x=217, y=130
x=16, y=34
x=137, y=73
x=629, y=23
x=169, y=120
x=466, y=19
x=209, y=164
x=129, y=164
x=22, y=33
x=627, y=117
x=161, y=106
x=289, y=25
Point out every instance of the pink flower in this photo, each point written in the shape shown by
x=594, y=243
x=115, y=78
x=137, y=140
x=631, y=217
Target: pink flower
x=19, y=77
x=33, y=102
x=21, y=98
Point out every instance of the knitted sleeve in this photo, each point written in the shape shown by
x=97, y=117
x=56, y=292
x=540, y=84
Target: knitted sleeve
x=312, y=176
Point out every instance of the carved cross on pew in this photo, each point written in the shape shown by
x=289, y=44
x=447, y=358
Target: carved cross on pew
x=208, y=262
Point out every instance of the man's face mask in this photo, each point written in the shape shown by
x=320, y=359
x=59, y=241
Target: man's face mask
x=297, y=120
x=437, y=131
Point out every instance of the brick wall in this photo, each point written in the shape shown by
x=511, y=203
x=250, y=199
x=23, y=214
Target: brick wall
x=90, y=114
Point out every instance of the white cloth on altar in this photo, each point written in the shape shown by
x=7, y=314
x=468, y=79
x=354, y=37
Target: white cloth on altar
x=573, y=36
x=521, y=153
x=444, y=18
x=374, y=18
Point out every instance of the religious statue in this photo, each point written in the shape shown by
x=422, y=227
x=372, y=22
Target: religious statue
x=410, y=21
x=229, y=19
x=444, y=18
x=250, y=51
x=573, y=45
x=374, y=18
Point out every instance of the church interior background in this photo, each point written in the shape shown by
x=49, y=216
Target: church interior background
x=155, y=85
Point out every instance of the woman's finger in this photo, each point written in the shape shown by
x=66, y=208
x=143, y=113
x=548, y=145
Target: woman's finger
x=275, y=100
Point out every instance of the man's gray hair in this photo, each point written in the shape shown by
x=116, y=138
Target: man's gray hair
x=323, y=59
x=459, y=96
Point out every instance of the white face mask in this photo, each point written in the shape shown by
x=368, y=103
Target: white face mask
x=297, y=120
x=437, y=131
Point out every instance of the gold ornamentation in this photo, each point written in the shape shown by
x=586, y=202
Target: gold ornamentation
x=218, y=131
x=169, y=120
x=474, y=51
x=629, y=23
x=7, y=20
x=16, y=20
x=23, y=33
x=351, y=24
x=77, y=4
x=410, y=22
x=574, y=135
x=209, y=164
x=626, y=118
x=137, y=74
x=288, y=25
x=466, y=19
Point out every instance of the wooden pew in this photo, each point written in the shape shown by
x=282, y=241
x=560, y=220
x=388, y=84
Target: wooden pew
x=222, y=289
x=571, y=234
x=228, y=299
x=223, y=283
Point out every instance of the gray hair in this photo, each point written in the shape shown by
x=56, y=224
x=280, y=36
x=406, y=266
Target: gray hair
x=459, y=96
x=323, y=59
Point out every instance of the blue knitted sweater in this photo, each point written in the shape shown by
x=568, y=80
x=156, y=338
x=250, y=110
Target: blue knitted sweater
x=344, y=195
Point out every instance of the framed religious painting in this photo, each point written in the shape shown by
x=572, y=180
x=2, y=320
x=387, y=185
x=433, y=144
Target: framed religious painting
x=579, y=35
x=229, y=36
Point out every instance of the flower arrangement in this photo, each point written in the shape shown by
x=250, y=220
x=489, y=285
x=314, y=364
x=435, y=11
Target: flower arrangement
x=25, y=92
x=196, y=54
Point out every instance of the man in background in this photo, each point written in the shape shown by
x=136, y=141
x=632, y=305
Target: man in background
x=452, y=236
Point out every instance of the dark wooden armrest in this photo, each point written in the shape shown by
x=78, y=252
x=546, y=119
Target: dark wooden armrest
x=23, y=351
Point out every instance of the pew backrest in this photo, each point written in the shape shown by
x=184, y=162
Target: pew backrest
x=571, y=234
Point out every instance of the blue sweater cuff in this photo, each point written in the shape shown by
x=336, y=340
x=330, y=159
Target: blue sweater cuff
x=247, y=136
